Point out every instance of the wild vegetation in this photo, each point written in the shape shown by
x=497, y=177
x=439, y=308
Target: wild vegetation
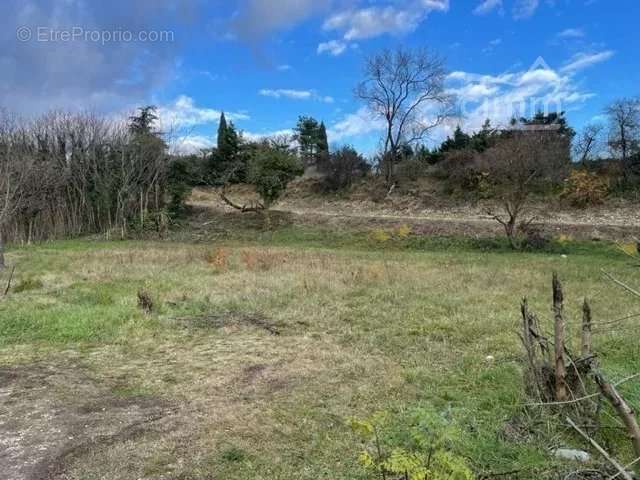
x=263, y=351
x=223, y=339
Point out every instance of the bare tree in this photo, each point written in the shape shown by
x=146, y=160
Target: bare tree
x=624, y=130
x=14, y=171
x=588, y=142
x=406, y=88
x=518, y=164
x=71, y=174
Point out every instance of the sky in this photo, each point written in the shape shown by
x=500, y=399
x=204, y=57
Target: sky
x=266, y=62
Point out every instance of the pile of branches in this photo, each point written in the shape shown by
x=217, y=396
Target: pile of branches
x=555, y=376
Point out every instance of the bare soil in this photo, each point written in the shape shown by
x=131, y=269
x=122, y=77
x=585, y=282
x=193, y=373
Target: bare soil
x=50, y=415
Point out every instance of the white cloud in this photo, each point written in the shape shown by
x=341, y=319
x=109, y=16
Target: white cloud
x=525, y=8
x=475, y=91
x=441, y=5
x=333, y=47
x=487, y=6
x=295, y=94
x=284, y=68
x=183, y=113
x=513, y=94
x=283, y=92
x=374, y=21
x=571, y=33
x=257, y=136
x=580, y=61
x=355, y=124
x=190, y=144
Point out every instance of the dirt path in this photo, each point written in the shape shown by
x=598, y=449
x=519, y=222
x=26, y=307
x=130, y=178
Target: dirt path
x=620, y=223
x=474, y=227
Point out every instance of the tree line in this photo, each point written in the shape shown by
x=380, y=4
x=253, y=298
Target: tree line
x=67, y=174
x=71, y=174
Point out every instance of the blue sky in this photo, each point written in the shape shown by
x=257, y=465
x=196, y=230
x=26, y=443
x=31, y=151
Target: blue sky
x=267, y=61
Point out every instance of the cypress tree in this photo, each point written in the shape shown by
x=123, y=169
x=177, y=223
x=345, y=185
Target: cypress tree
x=222, y=132
x=323, y=142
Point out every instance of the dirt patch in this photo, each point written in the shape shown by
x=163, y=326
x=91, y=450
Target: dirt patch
x=52, y=415
x=221, y=320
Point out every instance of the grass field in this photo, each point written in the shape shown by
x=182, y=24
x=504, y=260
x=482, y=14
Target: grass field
x=259, y=348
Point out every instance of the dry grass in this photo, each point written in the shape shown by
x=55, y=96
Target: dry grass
x=359, y=331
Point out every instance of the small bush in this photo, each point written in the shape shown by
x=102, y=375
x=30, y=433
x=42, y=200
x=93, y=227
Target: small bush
x=534, y=239
x=412, y=169
x=420, y=452
x=342, y=167
x=463, y=171
x=584, y=188
x=380, y=235
x=179, y=185
x=261, y=261
x=271, y=170
x=218, y=259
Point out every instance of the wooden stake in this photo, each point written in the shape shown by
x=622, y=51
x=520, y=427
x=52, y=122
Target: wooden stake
x=586, y=329
x=561, y=370
x=6, y=290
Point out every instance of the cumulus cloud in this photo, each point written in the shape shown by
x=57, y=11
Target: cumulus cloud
x=184, y=113
x=332, y=47
x=295, y=94
x=513, y=94
x=190, y=144
x=373, y=21
x=487, y=6
x=355, y=124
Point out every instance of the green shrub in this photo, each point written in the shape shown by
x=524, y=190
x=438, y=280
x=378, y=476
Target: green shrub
x=270, y=171
x=422, y=451
x=179, y=185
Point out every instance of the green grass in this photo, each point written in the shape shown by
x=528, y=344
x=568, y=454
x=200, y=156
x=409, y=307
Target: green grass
x=366, y=325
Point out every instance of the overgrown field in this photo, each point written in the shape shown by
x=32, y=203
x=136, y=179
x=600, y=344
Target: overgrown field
x=258, y=350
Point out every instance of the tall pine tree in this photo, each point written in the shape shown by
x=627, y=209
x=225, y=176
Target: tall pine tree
x=307, y=136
